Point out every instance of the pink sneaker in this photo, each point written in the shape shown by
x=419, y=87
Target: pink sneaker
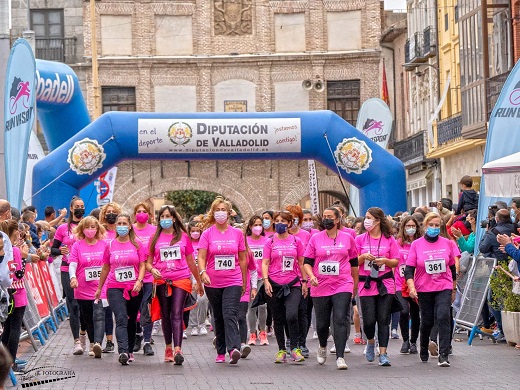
x=234, y=356
x=131, y=357
x=220, y=359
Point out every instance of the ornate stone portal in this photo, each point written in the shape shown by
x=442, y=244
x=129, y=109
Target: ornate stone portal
x=233, y=17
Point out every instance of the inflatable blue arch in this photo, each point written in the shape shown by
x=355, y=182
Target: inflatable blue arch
x=81, y=150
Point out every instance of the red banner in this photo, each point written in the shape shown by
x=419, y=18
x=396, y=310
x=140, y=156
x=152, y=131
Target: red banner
x=37, y=291
x=44, y=271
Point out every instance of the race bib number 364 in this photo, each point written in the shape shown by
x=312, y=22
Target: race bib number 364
x=330, y=268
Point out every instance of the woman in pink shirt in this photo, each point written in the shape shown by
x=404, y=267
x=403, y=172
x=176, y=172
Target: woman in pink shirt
x=285, y=281
x=170, y=260
x=431, y=276
x=409, y=231
x=378, y=254
x=123, y=270
x=107, y=218
x=223, y=268
x=144, y=231
x=13, y=324
x=86, y=261
x=256, y=239
x=268, y=223
x=308, y=222
x=332, y=266
x=64, y=239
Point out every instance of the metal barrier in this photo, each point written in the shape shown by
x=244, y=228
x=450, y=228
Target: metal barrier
x=475, y=289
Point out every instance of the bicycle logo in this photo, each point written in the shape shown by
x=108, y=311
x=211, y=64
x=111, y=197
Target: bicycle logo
x=20, y=92
x=372, y=124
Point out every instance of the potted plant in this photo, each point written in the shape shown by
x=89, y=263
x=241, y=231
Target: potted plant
x=505, y=300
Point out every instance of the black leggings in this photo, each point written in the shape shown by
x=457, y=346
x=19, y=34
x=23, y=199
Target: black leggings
x=435, y=308
x=12, y=330
x=242, y=321
x=339, y=306
x=172, y=310
x=286, y=309
x=376, y=309
x=93, y=316
x=72, y=306
x=410, y=312
x=302, y=321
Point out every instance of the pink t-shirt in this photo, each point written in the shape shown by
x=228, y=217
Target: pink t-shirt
x=350, y=231
x=404, y=248
x=222, y=263
x=332, y=263
x=145, y=235
x=170, y=259
x=90, y=262
x=269, y=234
x=20, y=296
x=67, y=238
x=379, y=247
x=110, y=235
x=432, y=263
x=283, y=258
x=314, y=231
x=251, y=266
x=304, y=237
x=257, y=247
x=124, y=259
x=195, y=245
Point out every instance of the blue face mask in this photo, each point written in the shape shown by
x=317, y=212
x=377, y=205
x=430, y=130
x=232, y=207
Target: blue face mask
x=281, y=228
x=513, y=215
x=166, y=223
x=433, y=232
x=266, y=223
x=122, y=230
x=296, y=220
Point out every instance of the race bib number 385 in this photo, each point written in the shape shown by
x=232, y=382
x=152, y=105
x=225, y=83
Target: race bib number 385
x=224, y=262
x=92, y=273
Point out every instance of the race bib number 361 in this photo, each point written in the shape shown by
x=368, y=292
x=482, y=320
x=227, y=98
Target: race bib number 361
x=435, y=266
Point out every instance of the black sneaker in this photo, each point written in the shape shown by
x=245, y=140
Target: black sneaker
x=450, y=351
x=137, y=342
x=123, y=358
x=425, y=355
x=305, y=351
x=148, y=350
x=413, y=349
x=109, y=348
x=443, y=361
x=405, y=348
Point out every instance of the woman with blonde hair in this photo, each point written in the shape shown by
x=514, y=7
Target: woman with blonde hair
x=223, y=268
x=86, y=262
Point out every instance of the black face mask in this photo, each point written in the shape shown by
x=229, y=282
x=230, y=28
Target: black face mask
x=111, y=218
x=79, y=213
x=328, y=223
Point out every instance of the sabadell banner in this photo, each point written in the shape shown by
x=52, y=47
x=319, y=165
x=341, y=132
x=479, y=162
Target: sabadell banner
x=220, y=135
x=19, y=102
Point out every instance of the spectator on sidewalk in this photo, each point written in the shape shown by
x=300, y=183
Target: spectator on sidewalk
x=468, y=197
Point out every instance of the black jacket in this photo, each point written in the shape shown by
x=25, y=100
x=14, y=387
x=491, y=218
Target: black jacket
x=468, y=200
x=489, y=245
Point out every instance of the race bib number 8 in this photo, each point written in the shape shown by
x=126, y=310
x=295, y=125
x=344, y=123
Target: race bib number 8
x=330, y=268
x=92, y=273
x=125, y=274
x=223, y=263
x=435, y=266
x=287, y=263
x=170, y=253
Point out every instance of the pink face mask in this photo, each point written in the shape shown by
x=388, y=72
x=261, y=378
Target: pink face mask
x=369, y=224
x=195, y=235
x=141, y=217
x=90, y=233
x=220, y=216
x=257, y=230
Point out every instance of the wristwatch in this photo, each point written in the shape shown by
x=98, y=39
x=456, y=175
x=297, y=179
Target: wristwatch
x=201, y=272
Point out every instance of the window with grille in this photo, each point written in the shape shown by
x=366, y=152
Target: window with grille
x=343, y=97
x=118, y=99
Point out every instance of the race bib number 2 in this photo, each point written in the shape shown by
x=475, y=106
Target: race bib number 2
x=287, y=263
x=92, y=273
x=223, y=263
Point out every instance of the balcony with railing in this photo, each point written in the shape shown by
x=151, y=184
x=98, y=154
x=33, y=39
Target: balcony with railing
x=449, y=129
x=57, y=49
x=414, y=48
x=411, y=150
x=429, y=42
x=493, y=87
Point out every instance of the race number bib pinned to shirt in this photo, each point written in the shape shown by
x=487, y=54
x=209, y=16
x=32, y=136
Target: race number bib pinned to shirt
x=435, y=266
x=125, y=274
x=330, y=268
x=224, y=262
x=368, y=266
x=287, y=263
x=401, y=270
x=169, y=253
x=258, y=253
x=92, y=273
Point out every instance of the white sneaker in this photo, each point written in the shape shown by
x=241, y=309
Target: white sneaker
x=314, y=335
x=184, y=335
x=83, y=341
x=322, y=355
x=340, y=363
x=203, y=331
x=156, y=326
x=333, y=349
x=78, y=349
x=347, y=348
x=91, y=350
x=194, y=331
